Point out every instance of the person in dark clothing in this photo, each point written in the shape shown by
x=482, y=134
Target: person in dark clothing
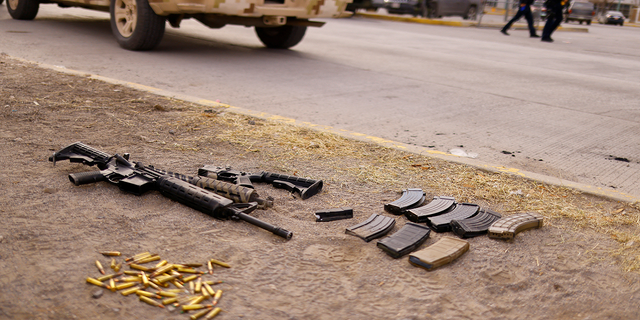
x=554, y=17
x=524, y=9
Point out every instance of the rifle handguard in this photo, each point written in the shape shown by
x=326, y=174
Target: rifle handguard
x=81, y=178
x=192, y=196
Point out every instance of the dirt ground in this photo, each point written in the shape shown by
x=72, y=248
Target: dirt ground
x=52, y=230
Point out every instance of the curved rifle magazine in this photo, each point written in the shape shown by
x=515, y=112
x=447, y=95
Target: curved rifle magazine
x=407, y=239
x=442, y=223
x=438, y=205
x=507, y=228
x=476, y=225
x=410, y=198
x=374, y=227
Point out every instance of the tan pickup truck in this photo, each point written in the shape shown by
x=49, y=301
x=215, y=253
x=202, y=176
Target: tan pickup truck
x=140, y=24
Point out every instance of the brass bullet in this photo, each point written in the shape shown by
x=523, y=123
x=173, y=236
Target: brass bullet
x=189, y=278
x=129, y=291
x=169, y=300
x=132, y=273
x=99, y=265
x=96, y=282
x=205, y=293
x=208, y=288
x=192, y=286
x=178, y=284
x=161, y=263
x=145, y=280
x=131, y=279
x=138, y=256
x=109, y=276
x=212, y=313
x=174, y=290
x=125, y=285
x=193, y=265
x=147, y=294
x=112, y=265
x=139, y=267
x=167, y=294
x=197, y=300
x=151, y=301
x=112, y=285
x=199, y=314
x=188, y=270
x=169, y=278
x=162, y=270
x=155, y=286
x=212, y=283
x=110, y=253
x=117, y=267
x=198, y=287
x=217, y=297
x=147, y=259
x=220, y=263
x=210, y=267
x=192, y=307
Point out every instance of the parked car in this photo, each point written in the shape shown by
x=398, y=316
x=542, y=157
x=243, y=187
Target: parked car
x=140, y=24
x=581, y=12
x=538, y=10
x=467, y=9
x=612, y=17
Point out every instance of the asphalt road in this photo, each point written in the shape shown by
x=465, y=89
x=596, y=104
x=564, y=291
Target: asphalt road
x=568, y=109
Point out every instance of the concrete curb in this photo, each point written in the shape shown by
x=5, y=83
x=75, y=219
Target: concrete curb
x=598, y=191
x=465, y=24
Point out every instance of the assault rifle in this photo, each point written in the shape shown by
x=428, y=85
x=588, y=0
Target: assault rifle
x=137, y=178
x=305, y=188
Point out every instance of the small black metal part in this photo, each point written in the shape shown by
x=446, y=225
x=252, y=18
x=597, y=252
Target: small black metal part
x=334, y=214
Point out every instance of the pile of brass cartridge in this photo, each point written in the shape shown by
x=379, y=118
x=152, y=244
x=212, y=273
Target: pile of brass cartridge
x=180, y=285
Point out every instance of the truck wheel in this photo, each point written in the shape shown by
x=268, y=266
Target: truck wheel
x=135, y=25
x=283, y=37
x=23, y=9
x=472, y=13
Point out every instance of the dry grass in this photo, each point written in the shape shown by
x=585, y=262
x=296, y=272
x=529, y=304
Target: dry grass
x=391, y=169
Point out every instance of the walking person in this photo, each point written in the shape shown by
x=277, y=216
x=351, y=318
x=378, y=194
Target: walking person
x=523, y=9
x=554, y=17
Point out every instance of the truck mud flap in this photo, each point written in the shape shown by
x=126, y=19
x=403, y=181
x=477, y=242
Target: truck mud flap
x=376, y=226
x=410, y=198
x=440, y=253
x=439, y=205
x=476, y=225
x=334, y=214
x=407, y=239
x=442, y=223
x=507, y=228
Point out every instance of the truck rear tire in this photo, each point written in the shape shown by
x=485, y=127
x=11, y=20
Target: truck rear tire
x=283, y=37
x=23, y=9
x=135, y=25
